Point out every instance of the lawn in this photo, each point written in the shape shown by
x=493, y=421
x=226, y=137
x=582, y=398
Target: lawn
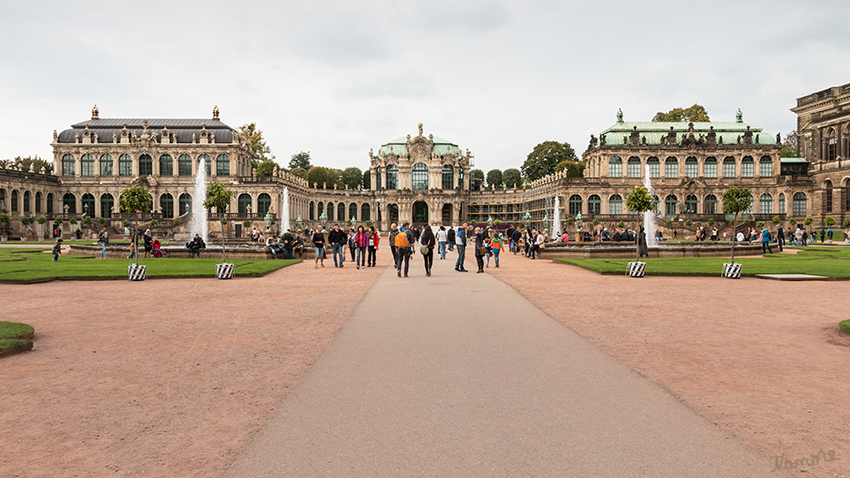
x=817, y=260
x=30, y=264
x=9, y=331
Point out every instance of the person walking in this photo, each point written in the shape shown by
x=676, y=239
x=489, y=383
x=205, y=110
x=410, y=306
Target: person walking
x=352, y=245
x=427, y=239
x=103, y=239
x=442, y=238
x=391, y=240
x=57, y=249
x=374, y=238
x=480, y=249
x=460, y=242
x=318, y=240
x=403, y=241
x=765, y=241
x=496, y=245
x=337, y=240
x=780, y=237
x=288, y=242
x=361, y=241
x=450, y=238
x=148, y=239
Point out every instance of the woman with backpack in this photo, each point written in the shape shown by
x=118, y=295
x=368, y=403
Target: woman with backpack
x=428, y=240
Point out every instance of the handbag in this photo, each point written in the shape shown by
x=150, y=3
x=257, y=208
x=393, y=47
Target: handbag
x=424, y=249
x=482, y=251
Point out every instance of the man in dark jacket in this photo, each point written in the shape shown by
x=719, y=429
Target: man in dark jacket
x=516, y=235
x=460, y=241
x=450, y=238
x=393, y=232
x=337, y=239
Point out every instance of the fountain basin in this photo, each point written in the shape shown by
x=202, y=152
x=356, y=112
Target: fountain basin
x=211, y=251
x=627, y=250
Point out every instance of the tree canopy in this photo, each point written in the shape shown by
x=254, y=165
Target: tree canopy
x=352, y=177
x=544, y=158
x=789, y=146
x=473, y=175
x=694, y=114
x=639, y=200
x=574, y=170
x=736, y=200
x=321, y=177
x=134, y=198
x=265, y=168
x=367, y=180
x=260, y=151
x=494, y=179
x=300, y=160
x=511, y=178
x=24, y=163
x=300, y=172
x=218, y=196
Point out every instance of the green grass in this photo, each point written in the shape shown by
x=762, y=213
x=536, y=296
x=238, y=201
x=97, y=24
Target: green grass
x=823, y=261
x=9, y=344
x=13, y=329
x=66, y=243
x=23, y=265
x=844, y=325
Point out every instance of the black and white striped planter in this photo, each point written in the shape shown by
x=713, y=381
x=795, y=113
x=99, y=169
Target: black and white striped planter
x=732, y=271
x=137, y=273
x=224, y=271
x=637, y=269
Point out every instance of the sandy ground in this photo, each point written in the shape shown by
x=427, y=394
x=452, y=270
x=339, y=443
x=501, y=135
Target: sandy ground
x=162, y=378
x=764, y=360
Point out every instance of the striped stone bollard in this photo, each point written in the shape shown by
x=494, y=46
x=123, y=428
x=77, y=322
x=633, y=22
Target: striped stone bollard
x=637, y=269
x=732, y=271
x=137, y=273
x=224, y=271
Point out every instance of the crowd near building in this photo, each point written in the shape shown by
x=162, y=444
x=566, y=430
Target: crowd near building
x=424, y=179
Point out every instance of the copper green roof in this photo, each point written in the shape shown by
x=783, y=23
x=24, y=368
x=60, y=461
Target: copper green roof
x=399, y=146
x=654, y=131
x=793, y=160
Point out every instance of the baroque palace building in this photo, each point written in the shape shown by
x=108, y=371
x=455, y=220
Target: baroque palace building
x=426, y=180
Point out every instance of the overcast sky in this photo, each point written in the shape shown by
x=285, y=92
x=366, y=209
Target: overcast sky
x=338, y=78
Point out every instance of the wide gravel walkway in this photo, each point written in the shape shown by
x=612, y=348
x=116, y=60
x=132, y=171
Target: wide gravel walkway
x=458, y=375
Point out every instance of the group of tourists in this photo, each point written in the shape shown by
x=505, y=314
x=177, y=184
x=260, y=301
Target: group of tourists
x=362, y=245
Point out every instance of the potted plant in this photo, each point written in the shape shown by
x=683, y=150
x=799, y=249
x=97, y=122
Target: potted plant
x=218, y=197
x=621, y=224
x=639, y=201
x=132, y=199
x=175, y=222
x=735, y=201
x=25, y=222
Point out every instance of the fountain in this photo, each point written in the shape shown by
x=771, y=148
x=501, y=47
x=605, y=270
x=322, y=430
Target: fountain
x=199, y=214
x=556, y=217
x=284, y=211
x=649, y=216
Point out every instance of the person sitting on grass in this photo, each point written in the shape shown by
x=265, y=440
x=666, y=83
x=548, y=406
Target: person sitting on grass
x=57, y=249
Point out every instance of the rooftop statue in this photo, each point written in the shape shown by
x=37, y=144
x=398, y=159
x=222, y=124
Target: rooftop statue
x=619, y=115
x=420, y=129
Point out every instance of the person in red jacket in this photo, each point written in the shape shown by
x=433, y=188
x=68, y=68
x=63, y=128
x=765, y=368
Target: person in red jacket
x=372, y=246
x=361, y=241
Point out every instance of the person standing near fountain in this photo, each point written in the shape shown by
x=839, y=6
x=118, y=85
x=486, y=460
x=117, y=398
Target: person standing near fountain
x=641, y=243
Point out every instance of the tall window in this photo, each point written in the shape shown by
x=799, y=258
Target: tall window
x=321, y=209
x=615, y=167
x=460, y=177
x=634, y=167
x=207, y=163
x=710, y=205
x=27, y=201
x=378, y=178
x=125, y=165
x=145, y=165
x=87, y=165
x=14, y=205
x=331, y=212
x=594, y=205
x=654, y=167
x=166, y=202
x=49, y=203
x=68, y=166
x=691, y=167
x=782, y=203
x=691, y=204
x=340, y=211
x=827, y=198
x=847, y=197
x=185, y=204
x=38, y=202
x=106, y=204
x=67, y=200
x=184, y=165
x=448, y=177
x=352, y=211
x=747, y=167
x=392, y=176
x=264, y=201
x=711, y=167
x=222, y=165
x=575, y=204
x=799, y=205
x=765, y=204
x=420, y=176
x=765, y=167
x=729, y=167
x=365, y=213
x=670, y=205
x=615, y=204
x=312, y=211
x=671, y=168
x=655, y=203
x=166, y=166
x=831, y=145
x=106, y=165
x=242, y=203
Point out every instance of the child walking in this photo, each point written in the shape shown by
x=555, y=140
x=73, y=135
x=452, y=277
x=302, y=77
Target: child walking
x=57, y=249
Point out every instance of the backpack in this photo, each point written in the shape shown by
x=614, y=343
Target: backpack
x=401, y=240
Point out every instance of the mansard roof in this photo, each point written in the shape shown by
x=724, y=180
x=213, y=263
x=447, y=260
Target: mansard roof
x=399, y=146
x=183, y=128
x=654, y=131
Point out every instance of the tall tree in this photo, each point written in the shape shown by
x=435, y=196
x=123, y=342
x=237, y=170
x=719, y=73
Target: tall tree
x=511, y=178
x=38, y=165
x=473, y=175
x=319, y=176
x=134, y=199
x=300, y=172
x=694, y=114
x=265, y=168
x=218, y=197
x=574, y=170
x=260, y=151
x=735, y=201
x=367, y=181
x=336, y=178
x=544, y=158
x=352, y=177
x=300, y=160
x=494, y=179
x=789, y=146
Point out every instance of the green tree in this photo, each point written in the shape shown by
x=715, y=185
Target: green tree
x=639, y=201
x=319, y=176
x=544, y=158
x=336, y=178
x=511, y=178
x=38, y=165
x=789, y=146
x=132, y=200
x=352, y=177
x=367, y=180
x=300, y=160
x=494, y=179
x=265, y=168
x=735, y=201
x=574, y=170
x=218, y=197
x=260, y=151
x=476, y=174
x=829, y=221
x=694, y=114
x=300, y=172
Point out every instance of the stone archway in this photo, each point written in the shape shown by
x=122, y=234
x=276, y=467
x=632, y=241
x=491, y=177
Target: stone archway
x=392, y=213
x=420, y=214
x=446, y=214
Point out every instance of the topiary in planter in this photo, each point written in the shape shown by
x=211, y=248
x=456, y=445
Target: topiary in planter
x=246, y=224
x=25, y=221
x=154, y=222
x=621, y=224
x=41, y=219
x=775, y=220
x=87, y=220
x=72, y=221
x=689, y=223
x=102, y=220
x=760, y=224
x=792, y=221
x=125, y=223
x=669, y=223
x=711, y=222
x=175, y=222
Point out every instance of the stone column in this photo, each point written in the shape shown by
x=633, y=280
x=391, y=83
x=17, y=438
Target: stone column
x=77, y=165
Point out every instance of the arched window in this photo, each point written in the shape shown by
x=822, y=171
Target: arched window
x=68, y=200
x=365, y=213
x=671, y=168
x=166, y=203
x=184, y=165
x=352, y=211
x=166, y=166
x=711, y=167
x=765, y=167
x=691, y=167
x=145, y=165
x=654, y=167
x=691, y=204
x=827, y=198
x=615, y=167
x=615, y=204
x=655, y=203
x=594, y=205
x=321, y=209
x=207, y=164
x=765, y=204
x=87, y=203
x=799, y=205
x=106, y=165
x=392, y=176
x=340, y=212
x=49, y=203
x=729, y=167
x=420, y=176
x=184, y=204
x=575, y=204
x=125, y=165
x=14, y=204
x=331, y=212
x=710, y=205
x=671, y=203
x=378, y=178
x=448, y=177
x=107, y=202
x=831, y=145
x=87, y=165
x=264, y=201
x=68, y=166
x=748, y=167
x=242, y=203
x=222, y=165
x=27, y=201
x=38, y=198
x=312, y=211
x=634, y=167
x=460, y=177
x=782, y=203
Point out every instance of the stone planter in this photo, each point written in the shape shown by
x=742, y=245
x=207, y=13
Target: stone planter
x=637, y=269
x=224, y=271
x=137, y=273
x=732, y=271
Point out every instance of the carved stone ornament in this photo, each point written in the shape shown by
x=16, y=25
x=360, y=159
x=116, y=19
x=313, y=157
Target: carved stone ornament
x=420, y=149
